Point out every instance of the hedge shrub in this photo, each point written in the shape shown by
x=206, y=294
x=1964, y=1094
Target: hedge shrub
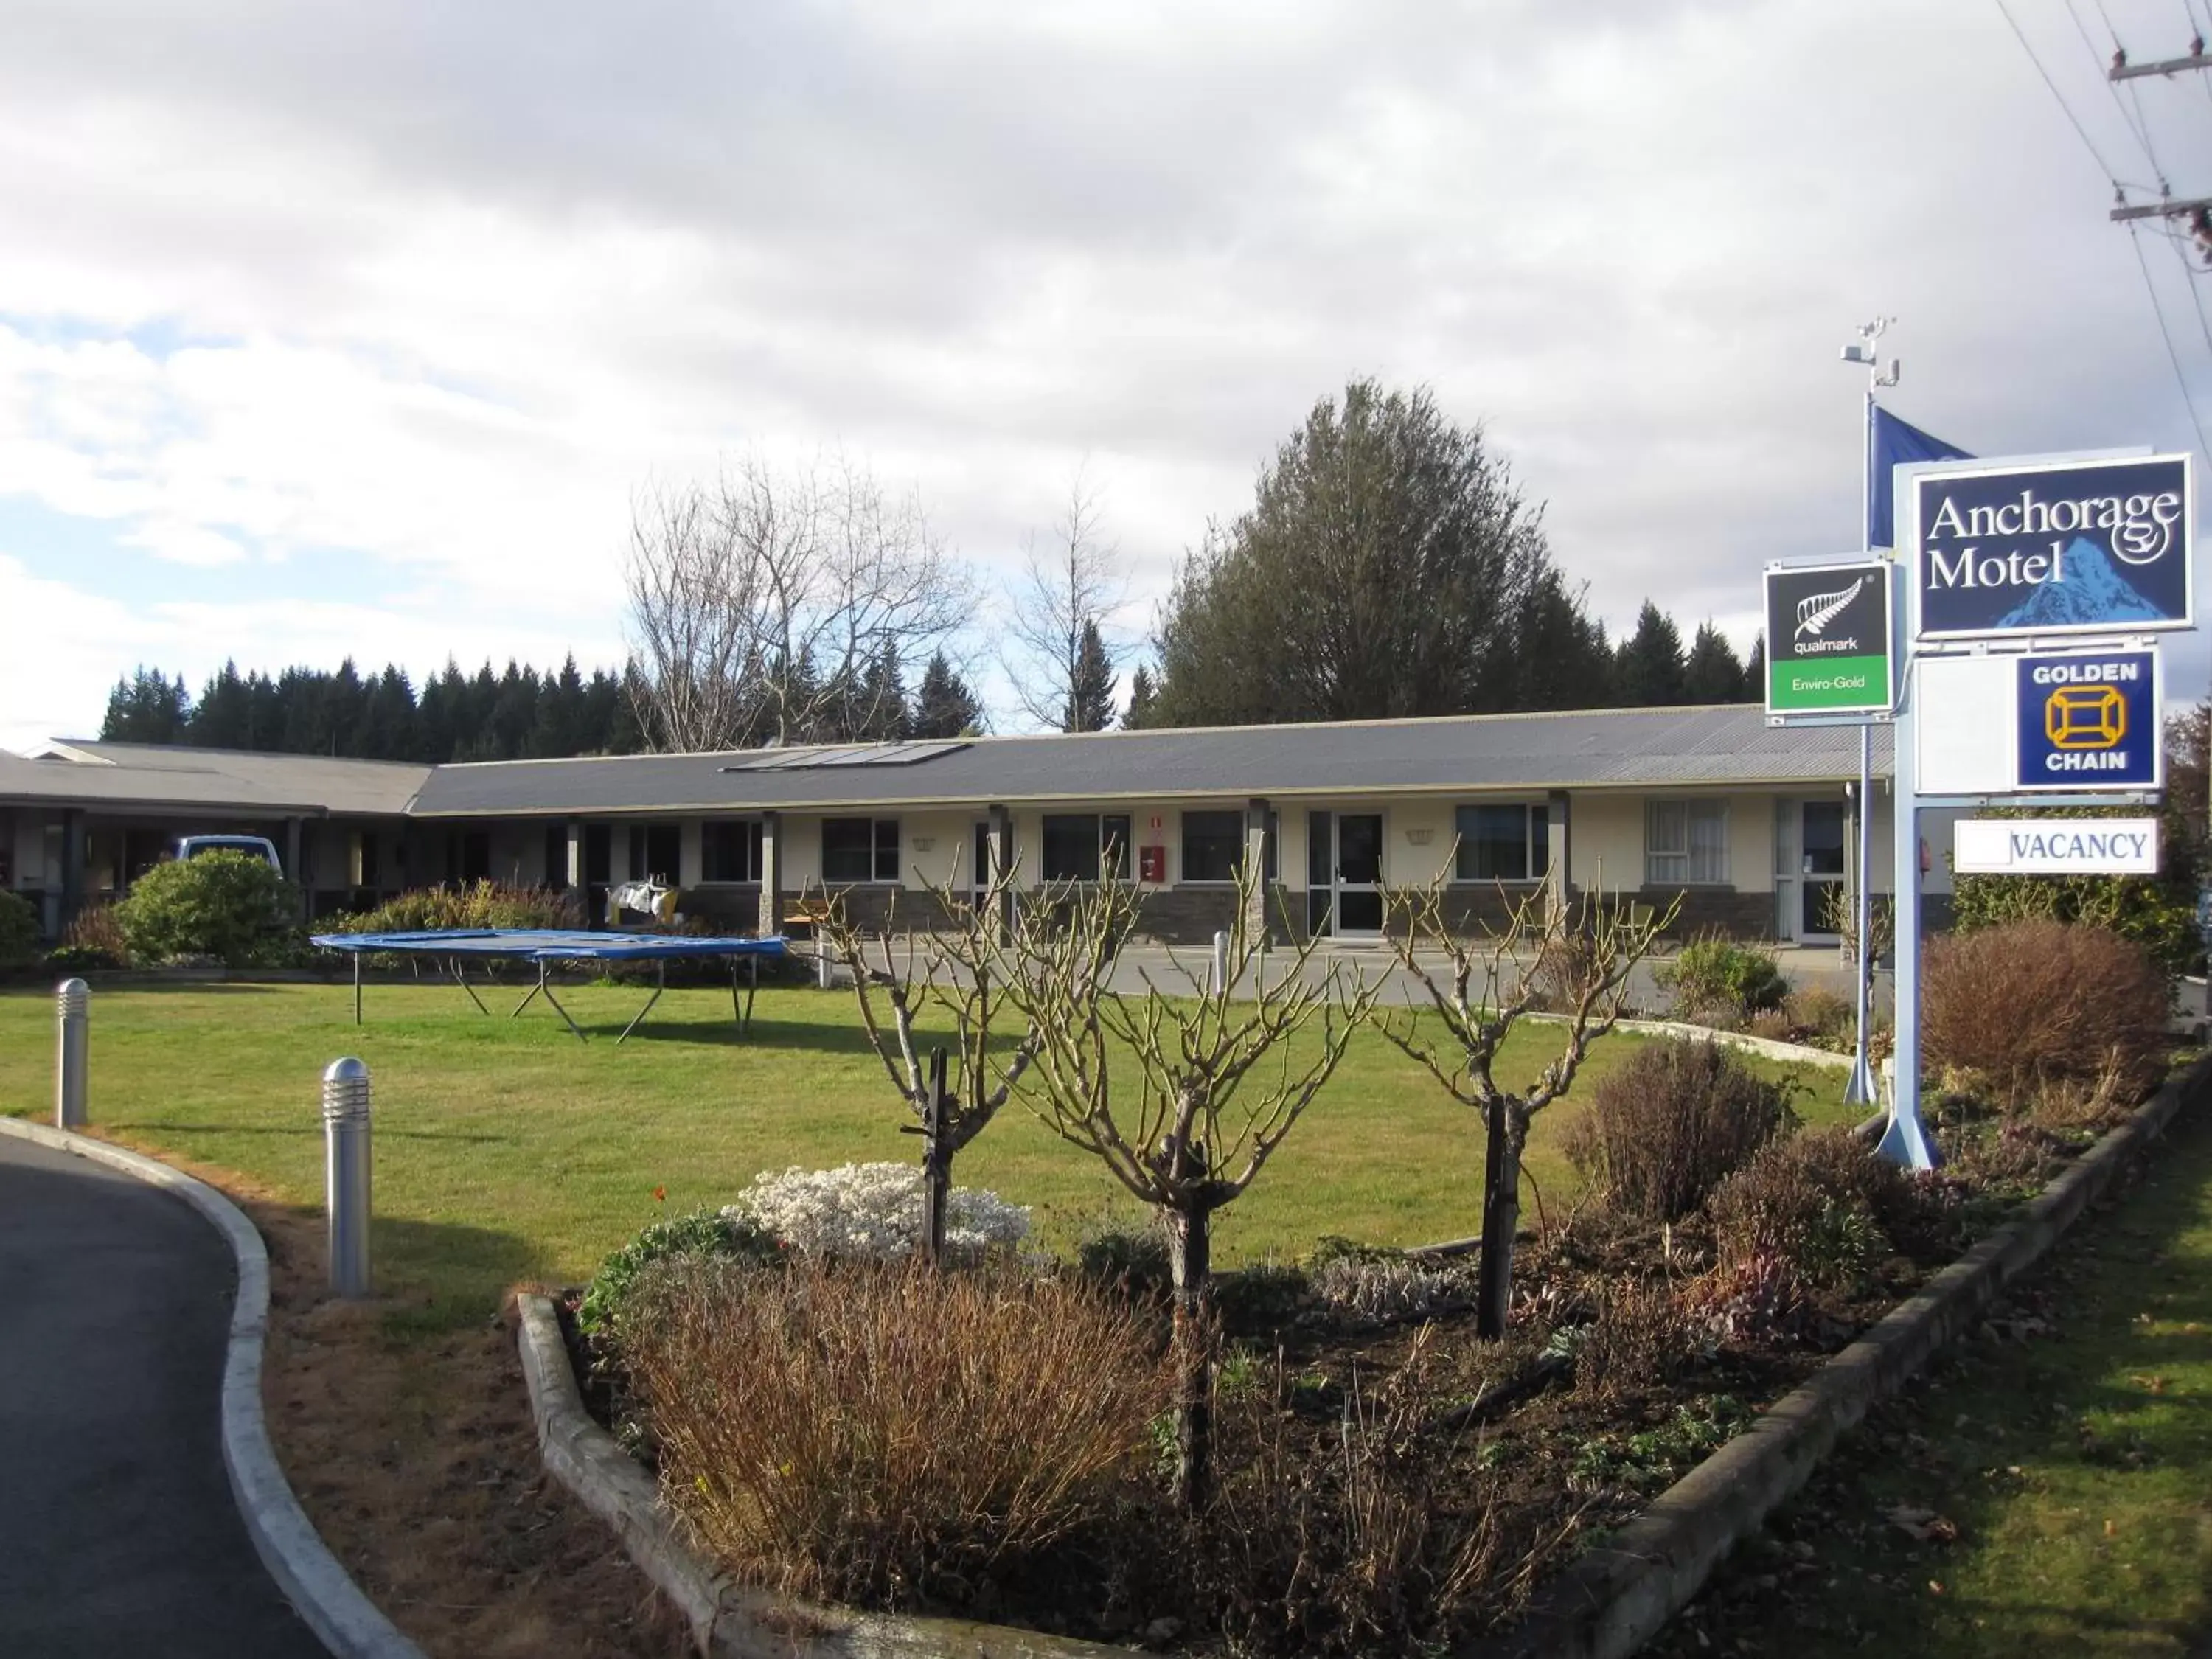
x=19, y=931
x=222, y=904
x=1713, y=976
x=2032, y=1003
x=1670, y=1124
x=485, y=905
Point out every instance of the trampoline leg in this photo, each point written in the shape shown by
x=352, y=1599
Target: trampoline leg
x=660, y=984
x=356, y=987
x=752, y=988
x=533, y=997
x=461, y=980
x=545, y=985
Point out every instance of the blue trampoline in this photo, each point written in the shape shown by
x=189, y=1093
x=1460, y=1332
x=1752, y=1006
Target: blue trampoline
x=546, y=947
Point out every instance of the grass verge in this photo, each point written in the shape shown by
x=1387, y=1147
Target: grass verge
x=2048, y=1490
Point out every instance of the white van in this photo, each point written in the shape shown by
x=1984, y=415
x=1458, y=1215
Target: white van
x=259, y=846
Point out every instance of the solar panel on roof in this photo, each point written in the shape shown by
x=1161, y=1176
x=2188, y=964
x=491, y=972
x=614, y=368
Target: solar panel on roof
x=873, y=754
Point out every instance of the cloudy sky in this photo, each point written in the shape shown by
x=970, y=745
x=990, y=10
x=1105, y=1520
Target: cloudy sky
x=356, y=330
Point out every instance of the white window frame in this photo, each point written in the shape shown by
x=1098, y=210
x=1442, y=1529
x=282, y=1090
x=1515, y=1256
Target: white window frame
x=1677, y=860
x=877, y=849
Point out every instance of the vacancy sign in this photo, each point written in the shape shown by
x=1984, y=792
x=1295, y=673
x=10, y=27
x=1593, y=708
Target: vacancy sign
x=1827, y=639
x=2055, y=847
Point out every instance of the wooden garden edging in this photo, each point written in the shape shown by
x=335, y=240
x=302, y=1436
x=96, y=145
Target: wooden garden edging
x=1615, y=1599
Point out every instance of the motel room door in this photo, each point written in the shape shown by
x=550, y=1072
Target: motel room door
x=1821, y=840
x=1344, y=874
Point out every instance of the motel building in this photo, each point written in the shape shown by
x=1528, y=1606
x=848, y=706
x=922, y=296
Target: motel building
x=1752, y=827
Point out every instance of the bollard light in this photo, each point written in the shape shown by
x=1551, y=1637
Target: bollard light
x=346, y=1170
x=73, y=1006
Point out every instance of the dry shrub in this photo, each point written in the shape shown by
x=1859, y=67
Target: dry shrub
x=97, y=927
x=1821, y=1016
x=2035, y=1002
x=1369, y=1548
x=1824, y=1204
x=1663, y=1130
x=1642, y=1336
x=882, y=1433
x=1757, y=1298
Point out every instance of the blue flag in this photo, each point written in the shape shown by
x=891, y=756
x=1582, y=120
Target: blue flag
x=1896, y=442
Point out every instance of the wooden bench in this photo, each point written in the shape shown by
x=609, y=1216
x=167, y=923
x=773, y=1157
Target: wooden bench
x=807, y=913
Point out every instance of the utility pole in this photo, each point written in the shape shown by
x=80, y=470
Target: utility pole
x=2197, y=209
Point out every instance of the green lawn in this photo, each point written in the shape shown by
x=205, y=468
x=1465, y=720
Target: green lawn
x=2074, y=1457
x=506, y=1149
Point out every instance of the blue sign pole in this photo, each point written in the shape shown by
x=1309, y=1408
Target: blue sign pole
x=1905, y=1140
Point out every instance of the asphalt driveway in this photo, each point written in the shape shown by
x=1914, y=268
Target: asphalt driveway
x=118, y=1535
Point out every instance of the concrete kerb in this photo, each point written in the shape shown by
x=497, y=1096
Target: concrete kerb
x=317, y=1587
x=1613, y=1600
x=727, y=1620
x=1794, y=1053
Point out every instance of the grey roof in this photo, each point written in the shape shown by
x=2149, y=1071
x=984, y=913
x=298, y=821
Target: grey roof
x=128, y=775
x=1625, y=747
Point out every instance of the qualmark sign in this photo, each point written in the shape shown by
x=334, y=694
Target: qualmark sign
x=2055, y=547
x=1827, y=635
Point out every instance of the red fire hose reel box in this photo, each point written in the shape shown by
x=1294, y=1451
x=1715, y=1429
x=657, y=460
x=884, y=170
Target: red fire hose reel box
x=1151, y=864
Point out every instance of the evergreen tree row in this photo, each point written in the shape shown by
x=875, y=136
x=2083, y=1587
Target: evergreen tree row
x=519, y=714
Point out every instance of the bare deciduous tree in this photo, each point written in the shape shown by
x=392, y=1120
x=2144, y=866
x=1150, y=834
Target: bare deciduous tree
x=953, y=970
x=1071, y=586
x=770, y=604
x=1201, y=1124
x=1576, y=954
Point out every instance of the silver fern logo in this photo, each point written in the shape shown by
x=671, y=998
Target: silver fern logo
x=1816, y=610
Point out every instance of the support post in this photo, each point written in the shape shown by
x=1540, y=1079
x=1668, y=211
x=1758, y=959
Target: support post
x=73, y=1002
x=1255, y=855
x=1216, y=978
x=1559, y=852
x=1001, y=843
x=770, y=919
x=1861, y=1090
x=346, y=1175
x=936, y=1162
x=1904, y=1140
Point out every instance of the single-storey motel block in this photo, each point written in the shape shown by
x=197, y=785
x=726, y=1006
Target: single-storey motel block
x=1752, y=826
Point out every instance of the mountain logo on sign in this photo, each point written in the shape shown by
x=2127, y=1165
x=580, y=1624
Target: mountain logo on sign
x=2092, y=593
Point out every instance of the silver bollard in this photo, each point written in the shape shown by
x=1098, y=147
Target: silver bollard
x=1220, y=981
x=73, y=1003
x=346, y=1165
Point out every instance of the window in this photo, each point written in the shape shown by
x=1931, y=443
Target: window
x=476, y=855
x=656, y=853
x=730, y=850
x=1079, y=846
x=1685, y=843
x=556, y=857
x=1212, y=846
x=1503, y=843
x=860, y=849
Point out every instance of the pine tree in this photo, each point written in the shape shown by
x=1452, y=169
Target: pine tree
x=223, y=717
x=945, y=707
x=147, y=709
x=1647, y=668
x=1712, y=673
x=1140, y=711
x=388, y=723
x=1091, y=703
x=1754, y=672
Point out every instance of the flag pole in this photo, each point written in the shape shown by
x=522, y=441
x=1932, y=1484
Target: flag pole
x=1861, y=1090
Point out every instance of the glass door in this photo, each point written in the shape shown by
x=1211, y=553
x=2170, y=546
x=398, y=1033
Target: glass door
x=1821, y=865
x=1359, y=874
x=981, y=885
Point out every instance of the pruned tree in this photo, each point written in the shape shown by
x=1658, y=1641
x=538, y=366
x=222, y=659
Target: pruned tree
x=765, y=606
x=1191, y=1130
x=1058, y=654
x=1576, y=954
x=953, y=970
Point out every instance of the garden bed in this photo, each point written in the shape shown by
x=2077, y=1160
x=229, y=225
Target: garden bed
x=1387, y=1479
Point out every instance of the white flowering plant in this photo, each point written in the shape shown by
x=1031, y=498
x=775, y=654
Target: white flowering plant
x=872, y=1211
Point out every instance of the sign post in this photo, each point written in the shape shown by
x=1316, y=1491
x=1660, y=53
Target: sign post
x=1830, y=633
x=2006, y=557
